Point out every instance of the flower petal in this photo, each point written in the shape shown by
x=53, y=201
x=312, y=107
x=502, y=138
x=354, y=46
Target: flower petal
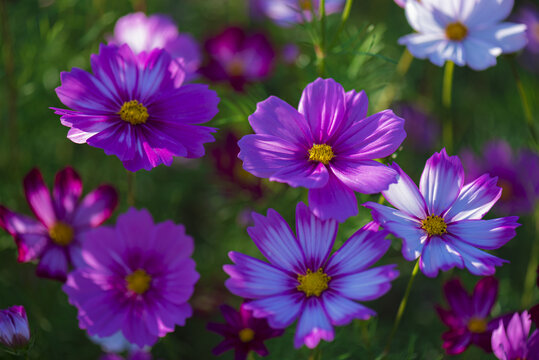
x=487, y=12
x=485, y=234
x=366, y=285
x=357, y=105
x=15, y=223
x=479, y=54
x=341, y=311
x=96, y=207
x=280, y=310
x=421, y=18
x=39, y=197
x=333, y=201
x=66, y=192
x=460, y=302
x=510, y=37
x=422, y=46
x=476, y=261
x=484, y=296
x=313, y=325
x=53, y=263
x=405, y=196
x=363, y=176
x=439, y=255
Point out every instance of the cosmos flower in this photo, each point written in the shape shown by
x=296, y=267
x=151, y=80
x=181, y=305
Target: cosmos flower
x=158, y=31
x=56, y=237
x=136, y=277
x=288, y=12
x=14, y=328
x=529, y=16
x=468, y=316
x=440, y=223
x=327, y=145
x=462, y=31
x=517, y=172
x=243, y=333
x=238, y=58
x=300, y=282
x=132, y=108
x=422, y=130
x=511, y=342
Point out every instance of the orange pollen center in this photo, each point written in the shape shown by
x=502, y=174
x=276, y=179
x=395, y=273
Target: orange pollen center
x=434, y=225
x=456, y=31
x=134, y=112
x=246, y=335
x=477, y=325
x=313, y=283
x=507, y=189
x=235, y=67
x=306, y=5
x=322, y=153
x=61, y=233
x=138, y=281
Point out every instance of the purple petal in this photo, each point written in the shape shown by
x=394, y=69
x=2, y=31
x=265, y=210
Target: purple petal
x=405, y=195
x=500, y=343
x=182, y=139
x=489, y=12
x=313, y=325
x=366, y=285
x=341, y=311
x=280, y=310
x=39, y=198
x=476, y=261
x=479, y=54
x=485, y=234
x=333, y=201
x=357, y=104
x=96, y=207
x=533, y=346
x=510, y=37
x=53, y=263
x=66, y=192
x=451, y=319
x=484, y=296
x=460, y=302
x=439, y=255
x=363, y=176
x=15, y=223
x=456, y=341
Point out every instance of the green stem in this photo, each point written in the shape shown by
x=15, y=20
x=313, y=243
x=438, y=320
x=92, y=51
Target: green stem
x=316, y=354
x=344, y=19
x=447, y=128
x=130, y=188
x=525, y=104
x=529, y=280
x=402, y=307
x=251, y=355
x=321, y=52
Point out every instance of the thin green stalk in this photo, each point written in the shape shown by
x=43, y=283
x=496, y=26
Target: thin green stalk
x=388, y=95
x=529, y=280
x=525, y=104
x=344, y=19
x=251, y=355
x=130, y=188
x=447, y=128
x=402, y=307
x=315, y=354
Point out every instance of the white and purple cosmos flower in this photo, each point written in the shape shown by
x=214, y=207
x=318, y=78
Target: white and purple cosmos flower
x=289, y=12
x=57, y=235
x=146, y=33
x=136, y=277
x=300, y=282
x=441, y=221
x=137, y=108
x=327, y=145
x=14, y=328
x=511, y=342
x=466, y=32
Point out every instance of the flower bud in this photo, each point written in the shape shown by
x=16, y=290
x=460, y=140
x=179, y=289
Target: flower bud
x=14, y=329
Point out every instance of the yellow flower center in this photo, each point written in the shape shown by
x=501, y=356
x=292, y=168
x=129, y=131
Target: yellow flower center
x=434, y=225
x=313, y=283
x=138, y=281
x=507, y=189
x=322, y=153
x=306, y=5
x=134, y=112
x=61, y=233
x=246, y=335
x=477, y=325
x=456, y=31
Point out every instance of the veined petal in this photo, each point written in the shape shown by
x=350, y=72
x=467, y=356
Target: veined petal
x=96, y=207
x=39, y=197
x=53, y=263
x=421, y=19
x=510, y=37
x=280, y=310
x=366, y=285
x=66, y=192
x=363, y=176
x=439, y=255
x=313, y=325
x=333, y=201
x=484, y=295
x=485, y=234
x=341, y=311
x=357, y=105
x=476, y=261
x=458, y=298
x=405, y=196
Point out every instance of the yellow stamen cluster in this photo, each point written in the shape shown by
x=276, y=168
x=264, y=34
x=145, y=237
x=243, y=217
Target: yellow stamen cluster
x=456, y=31
x=313, y=283
x=434, y=225
x=138, y=281
x=61, y=233
x=477, y=325
x=246, y=335
x=322, y=153
x=134, y=112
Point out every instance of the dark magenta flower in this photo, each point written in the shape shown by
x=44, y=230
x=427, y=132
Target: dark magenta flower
x=301, y=281
x=441, y=222
x=14, y=328
x=511, y=342
x=238, y=58
x=518, y=175
x=327, y=145
x=62, y=220
x=529, y=16
x=242, y=332
x=422, y=130
x=468, y=316
x=135, y=277
x=157, y=31
x=135, y=107
x=289, y=12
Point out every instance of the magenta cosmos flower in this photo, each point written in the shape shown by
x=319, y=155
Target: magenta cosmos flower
x=238, y=58
x=136, y=277
x=441, y=221
x=327, y=145
x=466, y=32
x=131, y=108
x=14, y=328
x=62, y=220
x=145, y=33
x=511, y=342
x=243, y=333
x=289, y=12
x=300, y=282
x=468, y=316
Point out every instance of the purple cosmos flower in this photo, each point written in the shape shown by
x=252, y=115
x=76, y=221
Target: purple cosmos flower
x=300, y=282
x=135, y=108
x=136, y=277
x=529, y=16
x=467, y=317
x=157, y=31
x=290, y=53
x=422, y=131
x=14, y=328
x=238, y=58
x=441, y=221
x=56, y=238
x=518, y=175
x=242, y=332
x=289, y=12
x=327, y=145
x=466, y=32
x=511, y=342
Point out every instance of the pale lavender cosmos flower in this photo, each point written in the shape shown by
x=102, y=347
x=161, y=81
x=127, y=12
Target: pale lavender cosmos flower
x=56, y=237
x=441, y=222
x=466, y=32
x=136, y=277
x=327, y=145
x=146, y=33
x=288, y=12
x=511, y=342
x=14, y=328
x=529, y=16
x=301, y=281
x=134, y=107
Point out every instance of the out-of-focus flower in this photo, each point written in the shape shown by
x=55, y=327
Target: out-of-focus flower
x=14, y=328
x=132, y=108
x=422, y=130
x=56, y=238
x=300, y=282
x=511, y=342
x=401, y=3
x=136, y=277
x=465, y=32
x=243, y=333
x=146, y=33
x=238, y=58
x=136, y=355
x=289, y=12
x=290, y=53
x=327, y=145
x=529, y=16
x=468, y=316
x=441, y=221
x=518, y=175
x=115, y=343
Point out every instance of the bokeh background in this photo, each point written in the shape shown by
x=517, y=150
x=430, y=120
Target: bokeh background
x=42, y=38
